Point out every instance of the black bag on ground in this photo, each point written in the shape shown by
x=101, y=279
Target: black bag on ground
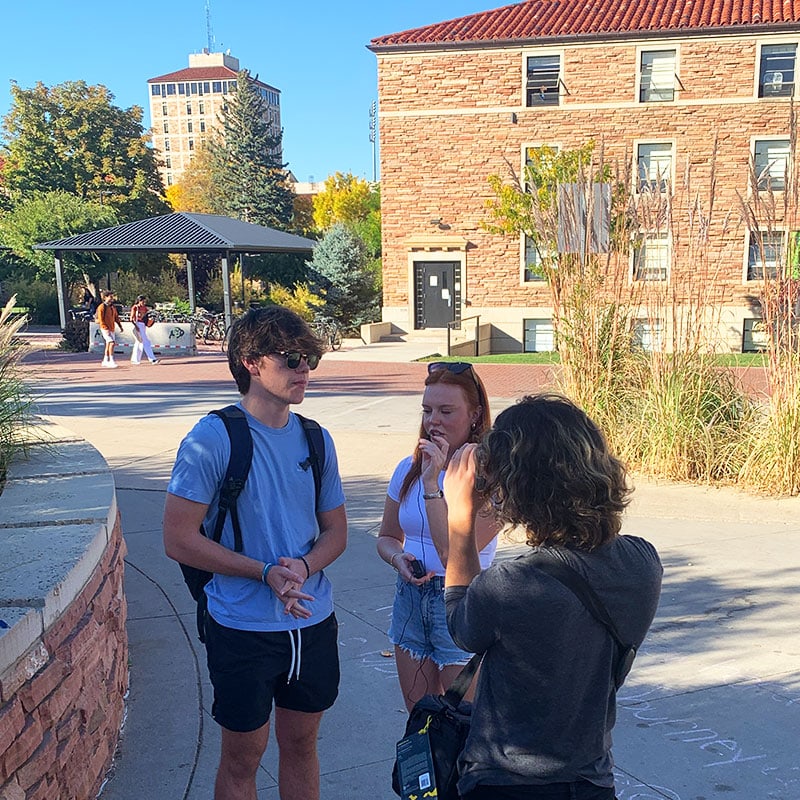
x=438, y=724
x=235, y=478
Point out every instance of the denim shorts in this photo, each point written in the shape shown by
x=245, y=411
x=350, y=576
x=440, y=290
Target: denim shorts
x=419, y=623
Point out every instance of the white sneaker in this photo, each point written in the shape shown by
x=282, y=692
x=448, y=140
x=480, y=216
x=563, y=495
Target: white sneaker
x=104, y=362
x=155, y=361
x=135, y=362
x=112, y=364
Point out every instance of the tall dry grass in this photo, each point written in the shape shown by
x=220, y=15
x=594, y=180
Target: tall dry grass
x=771, y=461
x=15, y=401
x=668, y=410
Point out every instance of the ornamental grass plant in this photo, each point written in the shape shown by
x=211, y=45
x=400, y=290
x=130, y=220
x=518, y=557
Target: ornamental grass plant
x=15, y=401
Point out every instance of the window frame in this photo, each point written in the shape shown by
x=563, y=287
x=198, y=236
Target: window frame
x=648, y=184
x=748, y=336
x=753, y=268
x=652, y=328
x=640, y=53
x=525, y=339
x=534, y=279
x=559, y=81
x=754, y=142
x=640, y=251
x=760, y=72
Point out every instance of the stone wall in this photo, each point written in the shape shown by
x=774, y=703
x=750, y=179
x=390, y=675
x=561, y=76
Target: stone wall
x=64, y=656
x=452, y=117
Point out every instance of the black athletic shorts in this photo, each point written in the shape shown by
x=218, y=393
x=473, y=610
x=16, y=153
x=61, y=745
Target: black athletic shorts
x=250, y=669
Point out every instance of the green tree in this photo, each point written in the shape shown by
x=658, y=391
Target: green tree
x=55, y=215
x=72, y=138
x=354, y=202
x=345, y=275
x=249, y=179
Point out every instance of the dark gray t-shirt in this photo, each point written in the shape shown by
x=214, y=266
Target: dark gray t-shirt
x=545, y=701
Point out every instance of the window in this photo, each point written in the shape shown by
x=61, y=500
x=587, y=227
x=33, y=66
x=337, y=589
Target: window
x=170, y=88
x=533, y=262
x=216, y=86
x=201, y=107
x=654, y=166
x=764, y=255
x=169, y=179
x=646, y=334
x=191, y=144
x=754, y=336
x=164, y=110
x=189, y=107
x=538, y=336
x=202, y=126
x=651, y=259
x=776, y=72
x=189, y=127
x=166, y=126
x=657, y=78
x=543, y=79
x=168, y=162
x=770, y=160
x=166, y=144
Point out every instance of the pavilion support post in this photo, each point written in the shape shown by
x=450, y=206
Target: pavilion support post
x=62, y=298
x=226, y=290
x=190, y=283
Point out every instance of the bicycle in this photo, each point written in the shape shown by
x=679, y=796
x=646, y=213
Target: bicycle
x=213, y=329
x=329, y=331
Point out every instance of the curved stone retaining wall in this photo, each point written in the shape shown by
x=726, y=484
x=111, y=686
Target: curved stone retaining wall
x=64, y=654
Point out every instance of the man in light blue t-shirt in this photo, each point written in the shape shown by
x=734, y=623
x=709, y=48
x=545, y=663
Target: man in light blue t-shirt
x=271, y=634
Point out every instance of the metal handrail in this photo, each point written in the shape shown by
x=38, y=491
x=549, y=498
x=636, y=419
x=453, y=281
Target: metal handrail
x=456, y=325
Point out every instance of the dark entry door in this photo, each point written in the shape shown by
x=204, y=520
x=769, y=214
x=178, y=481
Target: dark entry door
x=436, y=301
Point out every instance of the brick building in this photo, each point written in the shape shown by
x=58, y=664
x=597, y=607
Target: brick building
x=678, y=93
x=186, y=105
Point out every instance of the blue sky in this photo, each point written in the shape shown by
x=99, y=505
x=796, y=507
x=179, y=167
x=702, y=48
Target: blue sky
x=312, y=50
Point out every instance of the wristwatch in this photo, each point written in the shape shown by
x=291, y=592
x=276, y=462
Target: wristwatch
x=437, y=495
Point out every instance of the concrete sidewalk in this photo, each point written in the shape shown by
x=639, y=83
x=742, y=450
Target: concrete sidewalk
x=711, y=709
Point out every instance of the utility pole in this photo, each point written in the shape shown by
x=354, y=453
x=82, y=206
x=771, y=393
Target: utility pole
x=373, y=117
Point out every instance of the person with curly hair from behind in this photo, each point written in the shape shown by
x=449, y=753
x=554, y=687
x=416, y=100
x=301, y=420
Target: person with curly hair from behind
x=546, y=695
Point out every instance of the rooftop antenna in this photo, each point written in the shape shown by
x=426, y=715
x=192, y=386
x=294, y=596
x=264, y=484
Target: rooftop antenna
x=209, y=32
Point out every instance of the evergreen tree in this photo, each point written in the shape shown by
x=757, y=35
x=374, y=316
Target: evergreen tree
x=341, y=267
x=250, y=180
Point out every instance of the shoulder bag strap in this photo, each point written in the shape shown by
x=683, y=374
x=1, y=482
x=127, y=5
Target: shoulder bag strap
x=459, y=687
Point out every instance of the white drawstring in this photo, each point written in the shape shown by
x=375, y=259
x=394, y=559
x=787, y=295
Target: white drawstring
x=297, y=655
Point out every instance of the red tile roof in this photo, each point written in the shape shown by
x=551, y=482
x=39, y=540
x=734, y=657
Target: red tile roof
x=585, y=18
x=197, y=74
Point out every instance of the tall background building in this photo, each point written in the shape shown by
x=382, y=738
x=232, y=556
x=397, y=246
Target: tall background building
x=185, y=106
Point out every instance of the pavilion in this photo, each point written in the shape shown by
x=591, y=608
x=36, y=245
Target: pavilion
x=182, y=232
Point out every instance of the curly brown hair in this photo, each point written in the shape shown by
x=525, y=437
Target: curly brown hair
x=548, y=468
x=261, y=331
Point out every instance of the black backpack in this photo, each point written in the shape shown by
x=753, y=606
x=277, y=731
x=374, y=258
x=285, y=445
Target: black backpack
x=235, y=478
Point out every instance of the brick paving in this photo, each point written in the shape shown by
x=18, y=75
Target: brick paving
x=337, y=375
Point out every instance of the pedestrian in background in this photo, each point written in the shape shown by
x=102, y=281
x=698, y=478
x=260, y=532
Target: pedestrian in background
x=139, y=318
x=107, y=318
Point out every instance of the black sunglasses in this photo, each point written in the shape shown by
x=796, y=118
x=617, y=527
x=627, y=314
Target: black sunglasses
x=293, y=359
x=457, y=367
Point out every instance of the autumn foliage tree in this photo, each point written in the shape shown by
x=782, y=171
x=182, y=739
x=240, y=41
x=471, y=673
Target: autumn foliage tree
x=72, y=138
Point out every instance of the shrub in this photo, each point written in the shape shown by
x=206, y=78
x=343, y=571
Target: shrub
x=75, y=336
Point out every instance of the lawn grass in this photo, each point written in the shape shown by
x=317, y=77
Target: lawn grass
x=721, y=359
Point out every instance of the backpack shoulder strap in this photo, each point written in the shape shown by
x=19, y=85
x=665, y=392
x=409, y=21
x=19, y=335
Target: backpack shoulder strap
x=576, y=583
x=236, y=474
x=316, y=451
